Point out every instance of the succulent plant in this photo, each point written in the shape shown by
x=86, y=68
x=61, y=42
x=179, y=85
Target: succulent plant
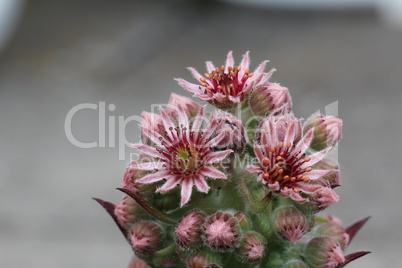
x=238, y=187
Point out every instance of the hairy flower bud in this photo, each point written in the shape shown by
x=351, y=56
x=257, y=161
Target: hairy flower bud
x=323, y=198
x=270, y=98
x=252, y=247
x=221, y=231
x=327, y=131
x=178, y=102
x=289, y=223
x=128, y=212
x=335, y=231
x=232, y=130
x=323, y=251
x=132, y=175
x=282, y=124
x=146, y=237
x=138, y=263
x=203, y=259
x=188, y=232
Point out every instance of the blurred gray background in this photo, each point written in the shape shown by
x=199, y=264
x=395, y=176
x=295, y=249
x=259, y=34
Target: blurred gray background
x=126, y=53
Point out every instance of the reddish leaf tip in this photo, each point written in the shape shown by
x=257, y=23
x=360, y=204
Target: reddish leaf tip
x=353, y=229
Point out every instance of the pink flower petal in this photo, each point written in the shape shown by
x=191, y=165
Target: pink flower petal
x=317, y=173
x=198, y=120
x=170, y=184
x=316, y=157
x=210, y=66
x=212, y=173
x=152, y=135
x=258, y=152
x=264, y=79
x=186, y=189
x=154, y=177
x=229, y=61
x=245, y=62
x=260, y=69
x=190, y=87
x=304, y=143
x=307, y=187
x=254, y=169
x=216, y=156
x=290, y=134
x=273, y=134
x=195, y=74
x=295, y=196
x=201, y=184
x=168, y=124
x=148, y=150
x=273, y=186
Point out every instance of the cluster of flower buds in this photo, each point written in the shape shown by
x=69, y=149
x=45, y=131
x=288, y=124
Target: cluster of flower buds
x=236, y=187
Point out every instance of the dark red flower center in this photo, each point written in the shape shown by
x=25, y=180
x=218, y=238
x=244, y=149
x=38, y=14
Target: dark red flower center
x=228, y=82
x=283, y=167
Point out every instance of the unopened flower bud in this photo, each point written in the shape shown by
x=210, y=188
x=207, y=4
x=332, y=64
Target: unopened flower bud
x=188, y=232
x=128, y=212
x=202, y=259
x=178, y=102
x=323, y=198
x=232, y=131
x=323, y=251
x=270, y=98
x=252, y=247
x=327, y=131
x=296, y=264
x=281, y=124
x=138, y=263
x=335, y=231
x=131, y=175
x=146, y=237
x=333, y=178
x=221, y=231
x=243, y=219
x=289, y=223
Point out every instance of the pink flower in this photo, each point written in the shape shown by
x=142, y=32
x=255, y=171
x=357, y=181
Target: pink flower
x=228, y=85
x=282, y=163
x=183, y=154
